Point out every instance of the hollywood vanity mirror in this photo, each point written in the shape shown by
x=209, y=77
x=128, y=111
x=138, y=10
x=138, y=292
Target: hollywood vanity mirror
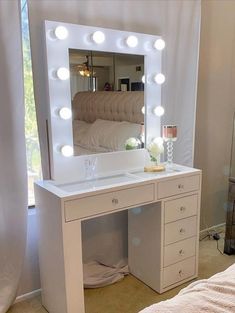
x=167, y=203
x=85, y=117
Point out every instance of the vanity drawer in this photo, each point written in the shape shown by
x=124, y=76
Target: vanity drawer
x=180, y=208
x=179, y=251
x=110, y=201
x=179, y=271
x=180, y=230
x=178, y=186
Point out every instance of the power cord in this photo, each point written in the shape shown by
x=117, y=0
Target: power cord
x=216, y=236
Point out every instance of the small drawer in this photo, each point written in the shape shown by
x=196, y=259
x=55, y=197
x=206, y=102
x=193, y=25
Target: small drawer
x=179, y=271
x=180, y=230
x=179, y=251
x=180, y=208
x=108, y=202
x=178, y=186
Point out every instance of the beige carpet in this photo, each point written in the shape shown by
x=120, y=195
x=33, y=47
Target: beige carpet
x=130, y=295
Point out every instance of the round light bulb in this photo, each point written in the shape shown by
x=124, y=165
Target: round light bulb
x=65, y=113
x=159, y=78
x=159, y=110
x=143, y=79
x=67, y=151
x=143, y=110
x=61, y=32
x=159, y=44
x=98, y=37
x=132, y=41
x=63, y=73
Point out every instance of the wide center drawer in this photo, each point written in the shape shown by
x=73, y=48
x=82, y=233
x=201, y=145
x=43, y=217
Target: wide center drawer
x=110, y=201
x=180, y=230
x=179, y=251
x=180, y=208
x=178, y=186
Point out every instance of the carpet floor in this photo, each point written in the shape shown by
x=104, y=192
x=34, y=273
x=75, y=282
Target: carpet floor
x=130, y=295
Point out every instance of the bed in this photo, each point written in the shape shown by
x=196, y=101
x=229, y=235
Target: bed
x=213, y=295
x=103, y=121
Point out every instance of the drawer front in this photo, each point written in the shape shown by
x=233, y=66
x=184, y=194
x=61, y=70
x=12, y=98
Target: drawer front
x=180, y=230
x=179, y=251
x=179, y=271
x=98, y=204
x=178, y=186
x=180, y=208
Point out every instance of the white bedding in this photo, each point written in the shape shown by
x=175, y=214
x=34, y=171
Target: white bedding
x=213, y=295
x=102, y=135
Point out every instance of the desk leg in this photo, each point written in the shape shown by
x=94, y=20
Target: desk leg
x=73, y=267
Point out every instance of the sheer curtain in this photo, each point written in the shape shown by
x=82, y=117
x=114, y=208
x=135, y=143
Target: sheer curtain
x=179, y=24
x=13, y=172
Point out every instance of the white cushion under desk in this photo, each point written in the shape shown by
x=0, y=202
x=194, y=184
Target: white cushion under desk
x=163, y=229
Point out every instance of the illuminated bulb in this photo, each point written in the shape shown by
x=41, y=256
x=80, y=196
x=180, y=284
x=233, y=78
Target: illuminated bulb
x=63, y=73
x=159, y=78
x=65, y=113
x=143, y=110
x=159, y=110
x=61, y=32
x=132, y=41
x=159, y=44
x=143, y=79
x=67, y=151
x=98, y=37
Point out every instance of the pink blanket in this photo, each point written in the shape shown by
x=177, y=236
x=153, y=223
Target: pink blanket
x=213, y=295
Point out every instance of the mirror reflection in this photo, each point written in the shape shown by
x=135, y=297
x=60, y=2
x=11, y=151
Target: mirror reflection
x=107, y=101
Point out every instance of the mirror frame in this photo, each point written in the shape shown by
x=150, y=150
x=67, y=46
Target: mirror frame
x=60, y=131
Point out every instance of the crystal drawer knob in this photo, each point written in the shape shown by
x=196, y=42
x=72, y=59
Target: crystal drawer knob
x=114, y=201
x=180, y=186
x=182, y=208
x=182, y=230
x=181, y=252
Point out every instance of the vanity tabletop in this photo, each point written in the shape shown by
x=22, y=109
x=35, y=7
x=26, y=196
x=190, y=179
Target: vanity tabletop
x=114, y=181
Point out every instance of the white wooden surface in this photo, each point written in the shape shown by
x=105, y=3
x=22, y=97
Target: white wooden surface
x=157, y=231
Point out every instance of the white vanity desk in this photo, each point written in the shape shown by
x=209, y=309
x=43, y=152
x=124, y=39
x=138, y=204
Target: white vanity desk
x=163, y=229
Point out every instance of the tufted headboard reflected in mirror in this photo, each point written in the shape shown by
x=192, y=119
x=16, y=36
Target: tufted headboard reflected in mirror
x=60, y=39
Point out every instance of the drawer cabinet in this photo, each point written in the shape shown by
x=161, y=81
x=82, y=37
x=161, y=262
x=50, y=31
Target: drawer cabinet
x=179, y=251
x=180, y=208
x=179, y=271
x=178, y=186
x=110, y=201
x=180, y=230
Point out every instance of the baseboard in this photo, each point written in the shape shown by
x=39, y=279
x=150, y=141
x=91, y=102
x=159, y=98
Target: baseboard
x=28, y=296
x=217, y=228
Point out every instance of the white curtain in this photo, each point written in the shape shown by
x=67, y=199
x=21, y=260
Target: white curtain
x=178, y=21
x=13, y=173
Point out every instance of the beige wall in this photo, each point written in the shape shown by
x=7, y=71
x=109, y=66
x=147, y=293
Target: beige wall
x=215, y=106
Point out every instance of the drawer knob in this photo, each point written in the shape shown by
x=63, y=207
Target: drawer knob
x=180, y=272
x=181, y=252
x=114, y=201
x=181, y=186
x=182, y=208
x=182, y=230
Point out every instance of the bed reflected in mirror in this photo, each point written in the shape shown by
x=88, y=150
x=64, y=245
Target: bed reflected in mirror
x=107, y=101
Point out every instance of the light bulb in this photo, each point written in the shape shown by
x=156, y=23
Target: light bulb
x=143, y=79
x=159, y=110
x=67, y=151
x=63, y=73
x=65, y=113
x=98, y=37
x=61, y=32
x=159, y=44
x=143, y=110
x=132, y=41
x=159, y=78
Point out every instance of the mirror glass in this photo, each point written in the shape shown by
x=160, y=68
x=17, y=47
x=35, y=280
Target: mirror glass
x=107, y=95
